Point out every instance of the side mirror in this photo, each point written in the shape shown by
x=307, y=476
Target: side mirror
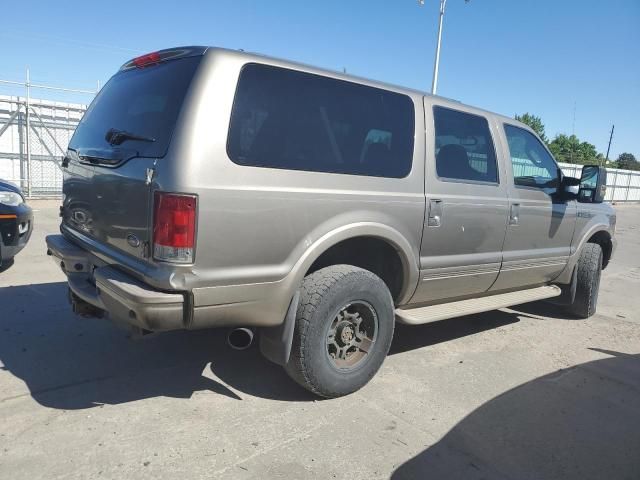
x=569, y=187
x=593, y=184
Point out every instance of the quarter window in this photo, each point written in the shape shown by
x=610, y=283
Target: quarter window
x=294, y=120
x=464, y=148
x=532, y=164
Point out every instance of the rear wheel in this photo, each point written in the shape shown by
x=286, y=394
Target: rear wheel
x=588, y=281
x=344, y=327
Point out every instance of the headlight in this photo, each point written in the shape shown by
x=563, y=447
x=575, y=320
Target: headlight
x=11, y=199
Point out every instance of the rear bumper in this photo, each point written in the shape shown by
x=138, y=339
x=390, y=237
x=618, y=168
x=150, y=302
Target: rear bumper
x=127, y=300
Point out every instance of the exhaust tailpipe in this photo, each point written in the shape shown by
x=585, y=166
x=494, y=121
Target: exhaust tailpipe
x=240, y=338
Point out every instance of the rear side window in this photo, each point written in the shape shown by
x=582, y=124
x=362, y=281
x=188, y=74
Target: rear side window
x=142, y=101
x=293, y=120
x=464, y=148
x=532, y=165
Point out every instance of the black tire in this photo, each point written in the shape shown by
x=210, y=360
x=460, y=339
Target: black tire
x=324, y=296
x=588, y=281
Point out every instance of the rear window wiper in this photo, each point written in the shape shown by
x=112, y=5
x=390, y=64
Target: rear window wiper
x=116, y=137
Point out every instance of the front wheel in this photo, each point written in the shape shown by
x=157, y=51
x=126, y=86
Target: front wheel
x=588, y=281
x=344, y=327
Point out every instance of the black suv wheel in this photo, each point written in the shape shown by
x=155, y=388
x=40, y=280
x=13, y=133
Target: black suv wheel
x=588, y=281
x=344, y=327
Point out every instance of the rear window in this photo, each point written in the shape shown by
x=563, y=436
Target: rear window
x=299, y=121
x=464, y=148
x=142, y=101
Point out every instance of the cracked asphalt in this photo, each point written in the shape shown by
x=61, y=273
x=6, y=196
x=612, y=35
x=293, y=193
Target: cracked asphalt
x=522, y=393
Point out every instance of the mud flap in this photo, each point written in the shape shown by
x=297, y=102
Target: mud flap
x=568, y=295
x=275, y=342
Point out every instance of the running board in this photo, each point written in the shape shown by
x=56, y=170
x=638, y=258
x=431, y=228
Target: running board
x=432, y=313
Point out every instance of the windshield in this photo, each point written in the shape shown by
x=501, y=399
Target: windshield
x=144, y=102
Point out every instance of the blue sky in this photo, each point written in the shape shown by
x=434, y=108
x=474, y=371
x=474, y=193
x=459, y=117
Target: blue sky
x=509, y=56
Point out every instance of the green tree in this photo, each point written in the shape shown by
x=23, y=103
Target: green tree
x=535, y=123
x=628, y=161
x=569, y=149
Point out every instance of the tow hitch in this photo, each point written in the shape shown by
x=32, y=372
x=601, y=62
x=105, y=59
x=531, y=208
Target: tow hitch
x=82, y=308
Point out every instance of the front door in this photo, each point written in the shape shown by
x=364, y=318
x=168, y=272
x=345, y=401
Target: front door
x=467, y=205
x=541, y=223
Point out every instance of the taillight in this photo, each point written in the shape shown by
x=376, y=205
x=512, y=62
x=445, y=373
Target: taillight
x=174, y=227
x=154, y=58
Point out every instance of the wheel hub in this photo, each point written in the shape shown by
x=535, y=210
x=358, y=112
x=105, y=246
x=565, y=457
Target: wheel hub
x=352, y=334
x=346, y=333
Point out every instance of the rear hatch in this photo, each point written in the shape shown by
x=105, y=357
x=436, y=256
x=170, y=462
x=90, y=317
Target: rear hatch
x=124, y=133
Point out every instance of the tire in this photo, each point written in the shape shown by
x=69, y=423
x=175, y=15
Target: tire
x=340, y=302
x=588, y=281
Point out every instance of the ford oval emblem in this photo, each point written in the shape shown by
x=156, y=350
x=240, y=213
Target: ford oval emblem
x=133, y=241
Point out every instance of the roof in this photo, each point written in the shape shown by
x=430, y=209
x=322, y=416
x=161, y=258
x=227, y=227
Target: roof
x=258, y=57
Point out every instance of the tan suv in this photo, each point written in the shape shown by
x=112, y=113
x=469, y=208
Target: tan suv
x=215, y=188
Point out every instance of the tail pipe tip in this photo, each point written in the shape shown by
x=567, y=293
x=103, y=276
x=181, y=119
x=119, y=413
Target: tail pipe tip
x=240, y=338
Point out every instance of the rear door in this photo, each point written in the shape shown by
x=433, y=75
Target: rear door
x=541, y=223
x=111, y=158
x=467, y=205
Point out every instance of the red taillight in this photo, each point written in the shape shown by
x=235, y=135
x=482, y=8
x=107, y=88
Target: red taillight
x=155, y=58
x=148, y=59
x=174, y=227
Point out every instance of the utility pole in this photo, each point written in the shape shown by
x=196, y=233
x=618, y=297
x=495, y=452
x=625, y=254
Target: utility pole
x=436, y=63
x=609, y=147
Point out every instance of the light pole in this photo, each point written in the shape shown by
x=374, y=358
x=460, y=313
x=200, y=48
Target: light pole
x=436, y=63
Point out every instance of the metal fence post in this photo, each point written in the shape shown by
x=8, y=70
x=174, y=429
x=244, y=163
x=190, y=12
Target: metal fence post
x=28, y=136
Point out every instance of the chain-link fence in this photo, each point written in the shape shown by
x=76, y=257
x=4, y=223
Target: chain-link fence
x=34, y=135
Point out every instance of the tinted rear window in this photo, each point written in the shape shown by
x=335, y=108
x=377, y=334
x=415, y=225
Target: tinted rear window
x=464, y=148
x=142, y=101
x=288, y=119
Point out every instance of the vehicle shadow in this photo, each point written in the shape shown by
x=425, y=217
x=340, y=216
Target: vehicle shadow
x=411, y=337
x=579, y=423
x=68, y=362
x=543, y=309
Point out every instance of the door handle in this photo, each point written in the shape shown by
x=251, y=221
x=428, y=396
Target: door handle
x=514, y=214
x=434, y=218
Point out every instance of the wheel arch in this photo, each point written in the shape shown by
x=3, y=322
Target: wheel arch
x=604, y=239
x=366, y=232
x=275, y=342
